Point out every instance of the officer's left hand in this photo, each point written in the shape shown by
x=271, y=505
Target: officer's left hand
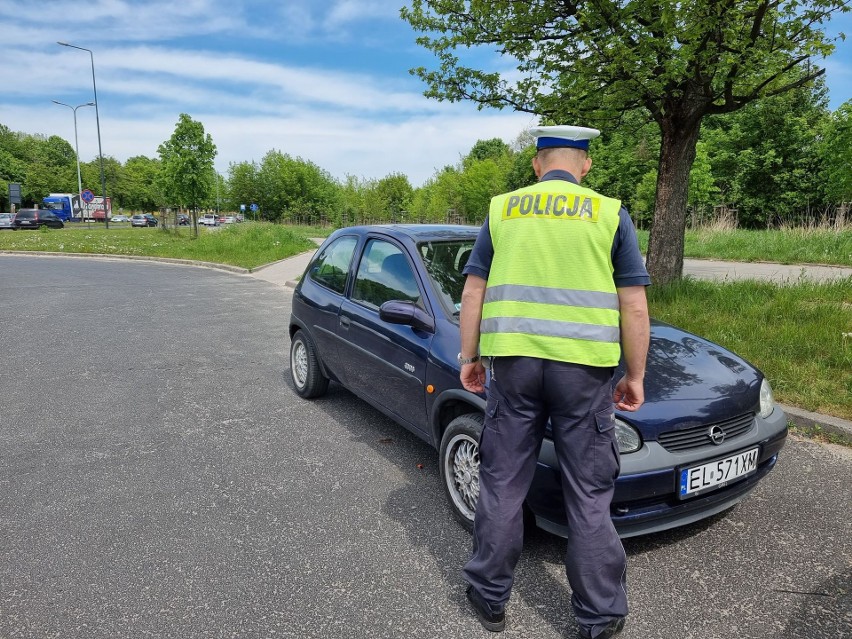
x=473, y=377
x=628, y=394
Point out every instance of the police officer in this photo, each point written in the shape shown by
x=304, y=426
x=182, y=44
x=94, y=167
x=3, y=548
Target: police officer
x=555, y=293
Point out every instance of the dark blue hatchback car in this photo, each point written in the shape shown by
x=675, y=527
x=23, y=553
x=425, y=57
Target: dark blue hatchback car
x=377, y=311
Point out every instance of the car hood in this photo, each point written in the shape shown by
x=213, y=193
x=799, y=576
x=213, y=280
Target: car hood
x=691, y=381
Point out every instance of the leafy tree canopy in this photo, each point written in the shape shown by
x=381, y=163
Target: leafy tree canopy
x=592, y=61
x=186, y=169
x=836, y=148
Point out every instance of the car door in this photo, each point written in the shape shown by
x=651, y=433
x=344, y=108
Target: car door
x=385, y=363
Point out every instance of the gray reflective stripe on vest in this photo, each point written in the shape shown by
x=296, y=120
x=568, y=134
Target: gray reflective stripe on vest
x=551, y=328
x=544, y=295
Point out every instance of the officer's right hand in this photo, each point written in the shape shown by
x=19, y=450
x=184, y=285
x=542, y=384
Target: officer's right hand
x=629, y=394
x=473, y=377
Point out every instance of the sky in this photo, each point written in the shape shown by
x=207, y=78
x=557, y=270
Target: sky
x=328, y=81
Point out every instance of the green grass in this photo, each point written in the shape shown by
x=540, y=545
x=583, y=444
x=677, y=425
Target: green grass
x=247, y=245
x=786, y=246
x=799, y=336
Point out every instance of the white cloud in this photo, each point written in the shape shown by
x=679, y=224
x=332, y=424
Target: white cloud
x=342, y=145
x=119, y=20
x=257, y=75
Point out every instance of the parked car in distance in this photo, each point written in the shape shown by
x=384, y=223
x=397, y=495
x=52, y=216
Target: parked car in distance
x=230, y=219
x=208, y=219
x=5, y=221
x=36, y=218
x=119, y=218
x=377, y=311
x=143, y=219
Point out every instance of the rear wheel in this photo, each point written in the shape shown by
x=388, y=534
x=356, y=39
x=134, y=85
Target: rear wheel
x=305, y=369
x=460, y=465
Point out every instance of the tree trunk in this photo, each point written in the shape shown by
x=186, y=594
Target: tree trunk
x=677, y=152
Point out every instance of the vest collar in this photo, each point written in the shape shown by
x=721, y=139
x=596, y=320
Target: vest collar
x=558, y=174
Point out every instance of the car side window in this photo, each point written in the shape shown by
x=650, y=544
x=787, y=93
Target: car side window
x=332, y=265
x=384, y=274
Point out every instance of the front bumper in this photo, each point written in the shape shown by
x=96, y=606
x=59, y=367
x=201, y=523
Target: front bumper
x=646, y=492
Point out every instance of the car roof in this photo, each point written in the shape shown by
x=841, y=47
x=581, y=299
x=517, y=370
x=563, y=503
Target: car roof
x=420, y=232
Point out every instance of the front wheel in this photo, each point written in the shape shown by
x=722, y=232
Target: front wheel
x=305, y=369
x=460, y=465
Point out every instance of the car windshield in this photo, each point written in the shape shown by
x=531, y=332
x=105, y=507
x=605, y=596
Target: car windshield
x=445, y=262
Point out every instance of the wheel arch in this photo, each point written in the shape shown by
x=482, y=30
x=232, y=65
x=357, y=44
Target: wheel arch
x=297, y=325
x=449, y=405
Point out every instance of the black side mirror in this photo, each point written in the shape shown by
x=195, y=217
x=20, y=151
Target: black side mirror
x=408, y=314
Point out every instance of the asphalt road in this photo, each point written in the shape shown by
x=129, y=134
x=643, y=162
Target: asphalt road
x=160, y=478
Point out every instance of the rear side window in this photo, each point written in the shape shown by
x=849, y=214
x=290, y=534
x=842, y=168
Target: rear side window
x=332, y=265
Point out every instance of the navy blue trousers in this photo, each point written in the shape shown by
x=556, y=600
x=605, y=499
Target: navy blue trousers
x=524, y=392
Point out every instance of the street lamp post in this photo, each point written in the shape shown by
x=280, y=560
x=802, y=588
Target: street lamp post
x=98, y=123
x=76, y=145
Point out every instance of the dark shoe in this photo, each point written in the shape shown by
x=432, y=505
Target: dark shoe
x=613, y=628
x=493, y=621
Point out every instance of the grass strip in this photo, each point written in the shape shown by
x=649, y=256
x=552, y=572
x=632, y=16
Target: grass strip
x=800, y=335
x=785, y=246
x=248, y=245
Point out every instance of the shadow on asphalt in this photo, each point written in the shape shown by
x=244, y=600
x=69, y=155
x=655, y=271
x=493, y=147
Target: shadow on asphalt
x=419, y=506
x=823, y=610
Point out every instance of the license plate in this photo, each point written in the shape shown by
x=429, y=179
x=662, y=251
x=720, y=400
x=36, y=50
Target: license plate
x=25, y=221
x=716, y=474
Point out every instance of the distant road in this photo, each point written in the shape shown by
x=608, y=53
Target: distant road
x=781, y=273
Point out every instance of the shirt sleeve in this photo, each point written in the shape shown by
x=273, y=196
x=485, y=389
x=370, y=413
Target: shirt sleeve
x=479, y=262
x=628, y=264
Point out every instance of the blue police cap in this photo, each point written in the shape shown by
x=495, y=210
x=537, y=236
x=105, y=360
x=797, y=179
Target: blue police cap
x=562, y=136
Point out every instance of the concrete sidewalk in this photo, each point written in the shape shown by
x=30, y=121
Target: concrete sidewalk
x=284, y=272
x=778, y=273
x=287, y=272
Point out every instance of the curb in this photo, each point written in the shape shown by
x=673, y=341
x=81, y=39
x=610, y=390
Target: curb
x=817, y=424
x=142, y=258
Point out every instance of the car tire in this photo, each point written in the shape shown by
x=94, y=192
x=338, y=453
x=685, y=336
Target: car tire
x=459, y=455
x=304, y=367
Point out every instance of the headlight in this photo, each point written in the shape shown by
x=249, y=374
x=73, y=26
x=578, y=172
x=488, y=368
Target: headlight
x=767, y=402
x=629, y=440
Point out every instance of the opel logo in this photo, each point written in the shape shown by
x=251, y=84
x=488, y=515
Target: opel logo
x=717, y=435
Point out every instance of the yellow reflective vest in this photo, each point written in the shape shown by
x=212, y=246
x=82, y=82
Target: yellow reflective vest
x=550, y=291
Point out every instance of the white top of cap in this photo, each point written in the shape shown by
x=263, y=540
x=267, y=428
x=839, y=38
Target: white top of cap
x=563, y=136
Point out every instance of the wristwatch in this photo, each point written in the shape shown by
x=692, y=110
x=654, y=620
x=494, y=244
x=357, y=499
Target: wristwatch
x=467, y=360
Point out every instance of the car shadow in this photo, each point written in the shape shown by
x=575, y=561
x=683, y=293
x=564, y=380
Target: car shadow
x=420, y=508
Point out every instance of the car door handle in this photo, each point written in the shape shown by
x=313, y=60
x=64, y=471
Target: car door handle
x=345, y=322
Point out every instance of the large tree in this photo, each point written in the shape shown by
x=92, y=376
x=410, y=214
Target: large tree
x=590, y=61
x=186, y=165
x=836, y=147
x=295, y=190
x=138, y=184
x=243, y=189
